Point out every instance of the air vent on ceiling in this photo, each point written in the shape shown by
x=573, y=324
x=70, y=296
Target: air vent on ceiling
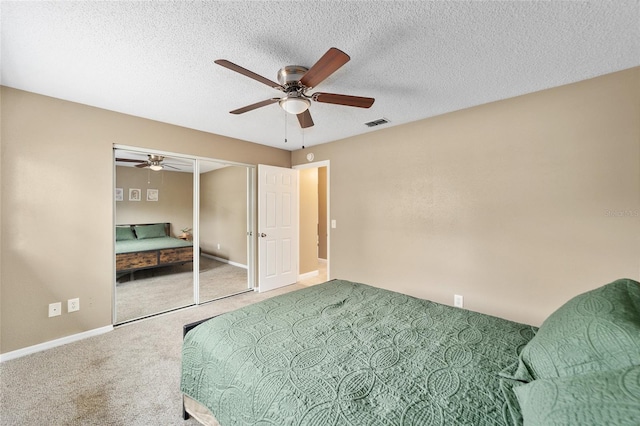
x=377, y=122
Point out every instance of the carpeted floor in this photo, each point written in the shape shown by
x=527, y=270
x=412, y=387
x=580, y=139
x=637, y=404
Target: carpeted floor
x=130, y=376
x=161, y=289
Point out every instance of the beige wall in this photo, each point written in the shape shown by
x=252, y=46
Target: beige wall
x=57, y=207
x=175, y=198
x=308, y=182
x=223, y=213
x=517, y=205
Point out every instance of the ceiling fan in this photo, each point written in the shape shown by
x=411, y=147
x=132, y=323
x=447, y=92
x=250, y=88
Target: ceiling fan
x=154, y=162
x=295, y=81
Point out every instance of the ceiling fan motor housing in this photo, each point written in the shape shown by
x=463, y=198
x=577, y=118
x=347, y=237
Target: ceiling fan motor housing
x=289, y=77
x=291, y=74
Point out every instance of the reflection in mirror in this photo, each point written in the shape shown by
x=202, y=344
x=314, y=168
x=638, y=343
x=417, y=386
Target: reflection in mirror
x=154, y=248
x=223, y=239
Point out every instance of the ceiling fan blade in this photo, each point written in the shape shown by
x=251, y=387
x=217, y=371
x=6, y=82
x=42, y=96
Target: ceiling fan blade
x=305, y=120
x=327, y=65
x=255, y=106
x=246, y=72
x=143, y=165
x=171, y=167
x=129, y=160
x=334, y=98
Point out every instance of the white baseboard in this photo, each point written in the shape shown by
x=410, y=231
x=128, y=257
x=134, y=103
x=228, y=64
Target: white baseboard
x=219, y=259
x=307, y=275
x=54, y=343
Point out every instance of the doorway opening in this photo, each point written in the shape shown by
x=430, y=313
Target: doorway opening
x=314, y=223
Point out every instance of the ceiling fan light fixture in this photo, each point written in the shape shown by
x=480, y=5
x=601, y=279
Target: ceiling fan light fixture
x=155, y=167
x=294, y=105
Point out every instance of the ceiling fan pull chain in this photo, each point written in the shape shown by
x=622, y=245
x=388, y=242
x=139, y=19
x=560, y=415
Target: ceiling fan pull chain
x=285, y=127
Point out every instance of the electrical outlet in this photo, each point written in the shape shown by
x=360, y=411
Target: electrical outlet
x=55, y=309
x=73, y=305
x=458, y=300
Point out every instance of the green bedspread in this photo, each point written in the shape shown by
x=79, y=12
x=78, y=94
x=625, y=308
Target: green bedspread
x=130, y=246
x=343, y=353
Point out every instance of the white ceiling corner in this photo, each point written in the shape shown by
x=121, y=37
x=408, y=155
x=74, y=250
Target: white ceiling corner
x=417, y=59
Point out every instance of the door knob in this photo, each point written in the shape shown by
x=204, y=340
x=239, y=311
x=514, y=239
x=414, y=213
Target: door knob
x=263, y=235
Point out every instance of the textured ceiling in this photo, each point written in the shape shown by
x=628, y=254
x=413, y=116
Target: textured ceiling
x=417, y=59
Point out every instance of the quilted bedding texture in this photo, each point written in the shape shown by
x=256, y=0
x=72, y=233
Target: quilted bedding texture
x=348, y=353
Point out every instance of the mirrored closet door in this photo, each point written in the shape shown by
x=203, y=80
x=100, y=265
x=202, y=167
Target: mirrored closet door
x=154, y=246
x=224, y=228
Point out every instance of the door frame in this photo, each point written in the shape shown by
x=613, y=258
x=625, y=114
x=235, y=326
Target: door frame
x=316, y=165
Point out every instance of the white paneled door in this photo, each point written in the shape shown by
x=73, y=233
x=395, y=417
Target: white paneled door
x=277, y=227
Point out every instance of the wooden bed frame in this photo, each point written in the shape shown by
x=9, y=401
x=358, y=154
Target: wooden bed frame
x=135, y=261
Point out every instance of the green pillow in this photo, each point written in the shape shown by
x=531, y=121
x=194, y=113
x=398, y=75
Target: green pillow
x=595, y=331
x=124, y=233
x=600, y=398
x=150, y=231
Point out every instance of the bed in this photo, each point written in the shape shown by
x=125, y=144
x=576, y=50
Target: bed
x=344, y=353
x=146, y=246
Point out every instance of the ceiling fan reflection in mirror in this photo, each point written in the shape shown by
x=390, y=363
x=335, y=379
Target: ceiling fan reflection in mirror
x=154, y=162
x=296, y=81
